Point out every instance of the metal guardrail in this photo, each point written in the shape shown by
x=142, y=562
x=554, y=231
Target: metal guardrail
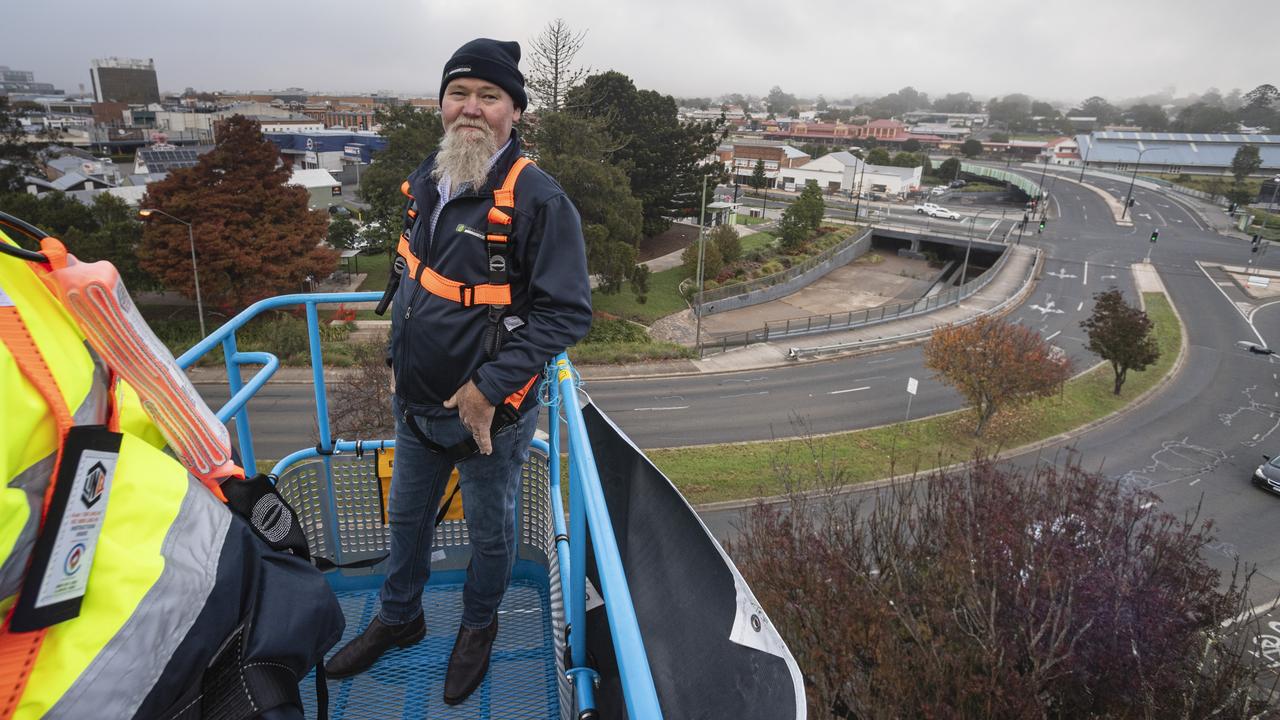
x=778, y=278
x=857, y=318
x=588, y=512
x=1025, y=184
x=796, y=353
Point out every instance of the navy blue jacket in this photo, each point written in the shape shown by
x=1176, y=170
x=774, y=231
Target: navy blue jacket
x=437, y=345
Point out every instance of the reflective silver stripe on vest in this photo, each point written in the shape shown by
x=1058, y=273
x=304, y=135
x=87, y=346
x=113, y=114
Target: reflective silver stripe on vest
x=120, y=677
x=34, y=480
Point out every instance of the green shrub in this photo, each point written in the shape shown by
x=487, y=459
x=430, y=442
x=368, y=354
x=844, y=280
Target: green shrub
x=615, y=330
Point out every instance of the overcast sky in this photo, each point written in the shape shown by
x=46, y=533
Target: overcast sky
x=839, y=48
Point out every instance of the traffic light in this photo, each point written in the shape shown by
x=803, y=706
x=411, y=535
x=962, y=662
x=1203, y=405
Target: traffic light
x=1042, y=226
x=1155, y=235
x=1257, y=240
x=1130, y=202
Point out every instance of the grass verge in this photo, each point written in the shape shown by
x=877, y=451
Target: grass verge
x=727, y=472
x=663, y=299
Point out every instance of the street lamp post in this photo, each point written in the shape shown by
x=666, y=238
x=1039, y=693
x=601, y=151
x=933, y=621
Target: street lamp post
x=702, y=233
x=964, y=269
x=862, y=171
x=1085, y=164
x=1133, y=178
x=195, y=270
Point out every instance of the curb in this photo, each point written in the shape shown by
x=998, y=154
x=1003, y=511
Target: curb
x=1135, y=404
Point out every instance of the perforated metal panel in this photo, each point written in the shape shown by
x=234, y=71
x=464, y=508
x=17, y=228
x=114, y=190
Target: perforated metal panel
x=409, y=683
x=343, y=522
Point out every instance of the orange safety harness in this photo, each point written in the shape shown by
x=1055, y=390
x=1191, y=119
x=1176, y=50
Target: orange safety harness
x=496, y=293
x=18, y=651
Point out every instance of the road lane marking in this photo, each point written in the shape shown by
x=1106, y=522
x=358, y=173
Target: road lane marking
x=1149, y=505
x=1193, y=482
x=1056, y=334
x=672, y=407
x=1085, y=281
x=841, y=392
x=1080, y=306
x=738, y=395
x=877, y=362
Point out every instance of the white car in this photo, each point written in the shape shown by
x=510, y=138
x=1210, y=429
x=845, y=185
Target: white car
x=937, y=211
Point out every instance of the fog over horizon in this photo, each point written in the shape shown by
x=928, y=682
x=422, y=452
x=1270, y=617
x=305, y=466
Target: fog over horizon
x=1141, y=51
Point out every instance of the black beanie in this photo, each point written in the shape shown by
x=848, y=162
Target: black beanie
x=493, y=60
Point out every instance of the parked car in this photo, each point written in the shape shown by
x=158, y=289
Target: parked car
x=1267, y=476
x=957, y=183
x=940, y=190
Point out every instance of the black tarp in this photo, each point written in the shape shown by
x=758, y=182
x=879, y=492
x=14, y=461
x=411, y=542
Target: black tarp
x=712, y=650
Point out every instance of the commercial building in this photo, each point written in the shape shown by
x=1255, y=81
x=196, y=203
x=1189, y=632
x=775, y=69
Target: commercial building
x=124, y=80
x=23, y=82
x=1203, y=153
x=340, y=152
x=740, y=159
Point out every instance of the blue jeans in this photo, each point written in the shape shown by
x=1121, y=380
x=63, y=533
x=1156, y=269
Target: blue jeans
x=489, y=483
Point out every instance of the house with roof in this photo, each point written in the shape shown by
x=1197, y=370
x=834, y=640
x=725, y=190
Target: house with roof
x=1061, y=151
x=842, y=172
x=1205, y=153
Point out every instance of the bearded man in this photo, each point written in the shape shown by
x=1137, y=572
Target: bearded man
x=494, y=285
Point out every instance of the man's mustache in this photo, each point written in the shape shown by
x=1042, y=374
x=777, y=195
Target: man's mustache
x=462, y=122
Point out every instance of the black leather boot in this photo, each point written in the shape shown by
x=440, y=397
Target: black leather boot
x=468, y=662
x=361, y=653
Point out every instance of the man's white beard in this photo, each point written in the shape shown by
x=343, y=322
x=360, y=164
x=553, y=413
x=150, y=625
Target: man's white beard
x=464, y=154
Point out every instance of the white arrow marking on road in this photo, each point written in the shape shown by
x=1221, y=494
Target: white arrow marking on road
x=841, y=392
x=1048, y=307
x=1061, y=275
x=1145, y=215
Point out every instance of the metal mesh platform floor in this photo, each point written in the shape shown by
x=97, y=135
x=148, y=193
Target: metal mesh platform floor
x=409, y=683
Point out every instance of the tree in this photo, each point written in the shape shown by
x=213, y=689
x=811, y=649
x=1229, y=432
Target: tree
x=779, y=102
x=961, y=102
x=575, y=150
x=106, y=230
x=17, y=156
x=663, y=158
x=728, y=242
x=993, y=591
x=949, y=169
x=1203, y=117
x=802, y=218
x=971, y=148
x=411, y=136
x=551, y=71
x=254, y=235
x=712, y=263
x=1097, y=107
x=758, y=179
x=911, y=145
x=1120, y=334
x=878, y=156
x=1012, y=111
x=342, y=232
x=999, y=137
x=1148, y=117
x=995, y=364
x=1245, y=162
x=897, y=103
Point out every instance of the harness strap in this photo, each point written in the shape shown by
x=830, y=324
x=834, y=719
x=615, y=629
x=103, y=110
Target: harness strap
x=18, y=651
x=497, y=292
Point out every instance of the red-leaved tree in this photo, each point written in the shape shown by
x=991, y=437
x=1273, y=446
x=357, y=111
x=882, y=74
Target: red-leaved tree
x=995, y=364
x=254, y=234
x=999, y=593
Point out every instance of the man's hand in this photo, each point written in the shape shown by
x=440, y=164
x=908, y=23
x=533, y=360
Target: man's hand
x=476, y=414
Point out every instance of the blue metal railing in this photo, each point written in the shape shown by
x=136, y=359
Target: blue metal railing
x=588, y=512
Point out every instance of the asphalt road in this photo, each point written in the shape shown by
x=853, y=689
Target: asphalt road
x=1194, y=445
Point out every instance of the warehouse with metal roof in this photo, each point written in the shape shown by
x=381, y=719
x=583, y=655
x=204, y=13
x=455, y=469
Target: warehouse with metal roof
x=1174, y=152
